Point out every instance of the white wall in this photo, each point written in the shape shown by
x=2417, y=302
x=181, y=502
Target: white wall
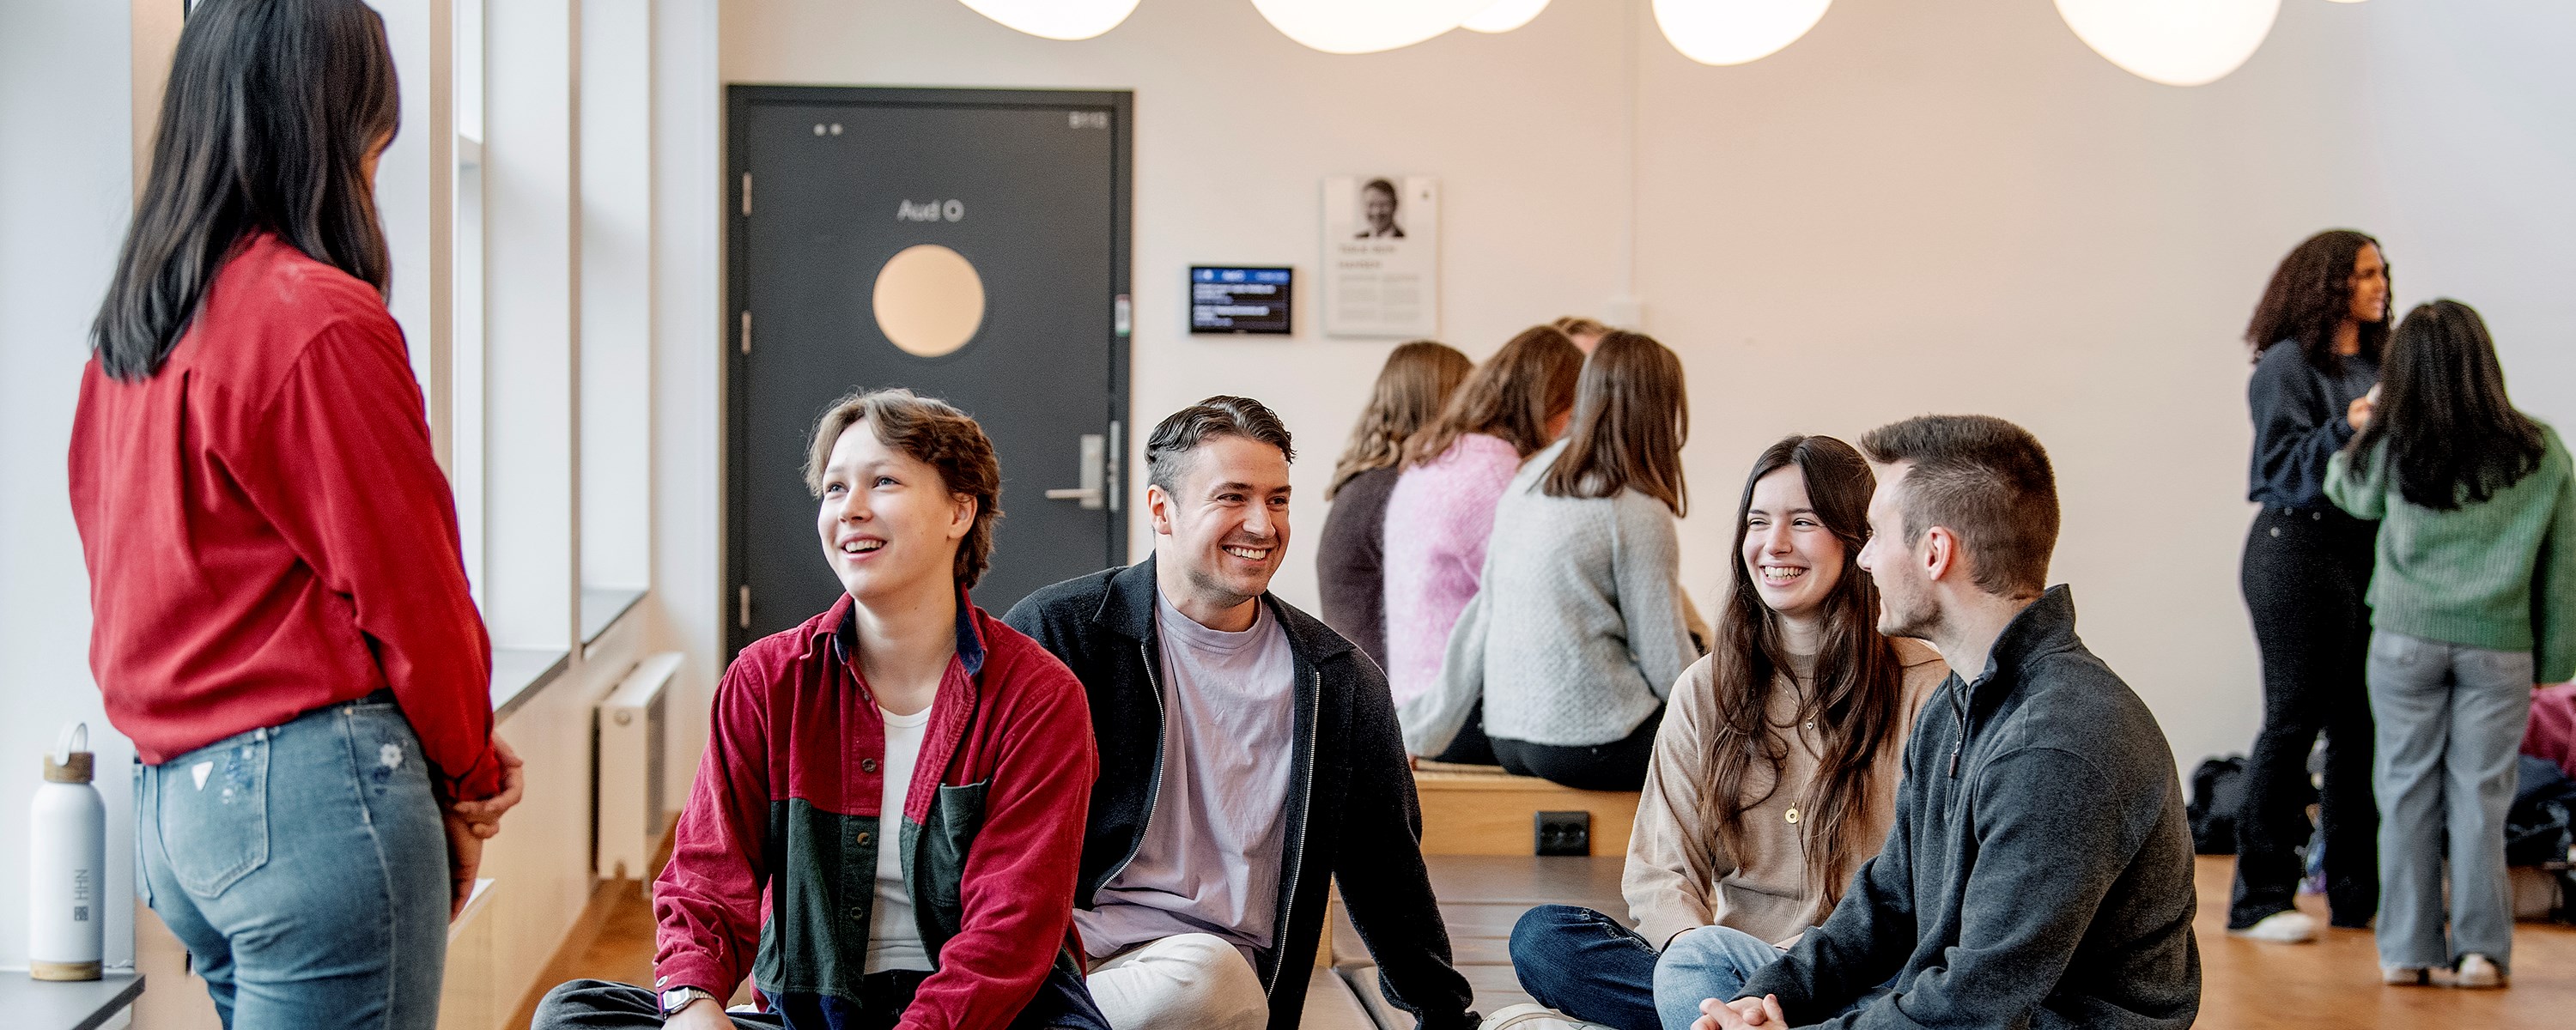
x=66, y=183
x=1918, y=207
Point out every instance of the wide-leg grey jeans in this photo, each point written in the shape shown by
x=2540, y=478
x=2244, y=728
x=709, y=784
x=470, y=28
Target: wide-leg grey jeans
x=2449, y=721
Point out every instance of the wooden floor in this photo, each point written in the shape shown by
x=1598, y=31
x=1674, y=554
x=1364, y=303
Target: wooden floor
x=2244, y=986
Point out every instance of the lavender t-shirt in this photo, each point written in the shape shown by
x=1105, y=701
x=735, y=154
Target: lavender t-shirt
x=1209, y=861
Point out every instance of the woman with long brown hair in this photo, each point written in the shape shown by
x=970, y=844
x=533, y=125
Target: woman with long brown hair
x=1350, y=560
x=1442, y=509
x=2317, y=336
x=1580, y=624
x=1773, y=774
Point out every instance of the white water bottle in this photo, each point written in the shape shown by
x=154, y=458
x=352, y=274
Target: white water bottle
x=67, y=835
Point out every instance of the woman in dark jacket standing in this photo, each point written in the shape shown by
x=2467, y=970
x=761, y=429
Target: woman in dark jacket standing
x=1350, y=562
x=280, y=614
x=2318, y=336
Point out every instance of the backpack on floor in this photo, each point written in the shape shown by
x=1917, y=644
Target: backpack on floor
x=2537, y=828
x=2217, y=791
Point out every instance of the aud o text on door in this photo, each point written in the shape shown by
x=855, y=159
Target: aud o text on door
x=930, y=210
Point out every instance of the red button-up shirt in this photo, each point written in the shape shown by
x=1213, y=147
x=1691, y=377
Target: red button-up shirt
x=267, y=531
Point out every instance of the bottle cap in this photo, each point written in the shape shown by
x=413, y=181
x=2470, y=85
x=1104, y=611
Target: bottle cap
x=70, y=761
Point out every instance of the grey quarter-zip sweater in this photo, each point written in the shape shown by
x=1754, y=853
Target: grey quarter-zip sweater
x=2039, y=873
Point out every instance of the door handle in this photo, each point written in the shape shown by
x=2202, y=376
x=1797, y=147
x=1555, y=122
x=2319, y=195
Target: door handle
x=1095, y=471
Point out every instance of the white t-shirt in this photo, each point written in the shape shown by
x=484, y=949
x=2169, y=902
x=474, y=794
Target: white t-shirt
x=894, y=936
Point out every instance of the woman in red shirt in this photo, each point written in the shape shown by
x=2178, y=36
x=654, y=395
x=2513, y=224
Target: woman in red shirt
x=280, y=614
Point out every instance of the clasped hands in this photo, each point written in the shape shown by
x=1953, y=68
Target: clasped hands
x=1742, y=1012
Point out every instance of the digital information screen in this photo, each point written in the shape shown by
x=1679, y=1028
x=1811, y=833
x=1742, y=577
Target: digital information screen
x=1239, y=300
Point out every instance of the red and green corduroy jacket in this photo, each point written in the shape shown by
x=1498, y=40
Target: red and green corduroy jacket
x=777, y=847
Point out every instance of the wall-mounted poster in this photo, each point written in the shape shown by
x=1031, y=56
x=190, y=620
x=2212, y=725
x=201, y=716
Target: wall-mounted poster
x=1382, y=256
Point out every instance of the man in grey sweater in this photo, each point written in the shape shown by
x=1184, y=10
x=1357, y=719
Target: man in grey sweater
x=2039, y=873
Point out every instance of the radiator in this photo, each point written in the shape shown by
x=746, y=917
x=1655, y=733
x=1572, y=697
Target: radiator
x=626, y=770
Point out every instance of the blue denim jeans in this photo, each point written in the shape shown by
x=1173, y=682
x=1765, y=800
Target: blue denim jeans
x=1708, y=962
x=1586, y=965
x=304, y=865
x=2450, y=719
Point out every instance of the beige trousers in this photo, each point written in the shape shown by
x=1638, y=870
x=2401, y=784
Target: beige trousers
x=1193, y=981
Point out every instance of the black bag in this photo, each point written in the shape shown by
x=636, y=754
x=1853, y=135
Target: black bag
x=2537, y=828
x=2217, y=791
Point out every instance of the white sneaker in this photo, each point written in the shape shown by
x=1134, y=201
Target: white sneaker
x=2292, y=927
x=2407, y=976
x=2477, y=971
x=1532, y=1016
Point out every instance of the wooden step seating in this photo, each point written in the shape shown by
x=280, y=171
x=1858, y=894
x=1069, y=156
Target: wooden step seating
x=1482, y=810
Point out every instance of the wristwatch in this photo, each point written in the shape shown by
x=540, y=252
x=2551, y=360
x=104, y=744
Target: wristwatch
x=678, y=998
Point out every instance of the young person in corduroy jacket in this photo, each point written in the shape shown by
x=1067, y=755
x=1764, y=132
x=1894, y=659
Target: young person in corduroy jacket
x=883, y=829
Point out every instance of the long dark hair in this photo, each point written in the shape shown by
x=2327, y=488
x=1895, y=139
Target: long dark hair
x=1631, y=416
x=2310, y=296
x=1411, y=389
x=2453, y=435
x=272, y=108
x=1858, y=683
x=1511, y=396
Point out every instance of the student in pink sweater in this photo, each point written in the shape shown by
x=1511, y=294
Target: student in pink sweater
x=1442, y=509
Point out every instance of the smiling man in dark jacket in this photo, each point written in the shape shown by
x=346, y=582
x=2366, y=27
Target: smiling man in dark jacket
x=2039, y=873
x=1249, y=758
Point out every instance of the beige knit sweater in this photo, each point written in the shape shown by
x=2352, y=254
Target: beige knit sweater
x=1679, y=878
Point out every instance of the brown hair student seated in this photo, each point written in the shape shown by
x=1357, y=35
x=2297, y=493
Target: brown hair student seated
x=1441, y=512
x=1580, y=624
x=1350, y=559
x=2038, y=872
x=884, y=827
x=1774, y=775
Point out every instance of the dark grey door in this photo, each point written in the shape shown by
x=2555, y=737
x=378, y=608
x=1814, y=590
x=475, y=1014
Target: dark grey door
x=1030, y=190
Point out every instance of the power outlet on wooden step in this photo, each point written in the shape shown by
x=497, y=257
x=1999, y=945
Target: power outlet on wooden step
x=1565, y=833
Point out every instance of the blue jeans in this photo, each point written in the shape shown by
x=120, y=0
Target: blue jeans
x=2450, y=719
x=1703, y=963
x=1586, y=965
x=304, y=865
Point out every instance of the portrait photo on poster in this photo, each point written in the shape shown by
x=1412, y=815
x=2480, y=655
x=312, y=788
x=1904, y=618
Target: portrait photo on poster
x=1381, y=274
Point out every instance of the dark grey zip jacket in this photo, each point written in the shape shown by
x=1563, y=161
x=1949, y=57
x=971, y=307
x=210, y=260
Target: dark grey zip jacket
x=1351, y=812
x=2039, y=873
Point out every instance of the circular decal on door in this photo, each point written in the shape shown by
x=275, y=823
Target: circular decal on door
x=928, y=300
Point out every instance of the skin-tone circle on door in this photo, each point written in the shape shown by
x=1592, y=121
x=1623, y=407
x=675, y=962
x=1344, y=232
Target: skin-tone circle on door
x=928, y=300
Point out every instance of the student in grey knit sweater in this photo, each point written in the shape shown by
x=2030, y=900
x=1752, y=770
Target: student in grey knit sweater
x=1580, y=624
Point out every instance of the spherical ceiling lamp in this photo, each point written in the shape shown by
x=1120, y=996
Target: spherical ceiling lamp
x=1735, y=31
x=2175, y=42
x=1056, y=19
x=1504, y=16
x=1365, y=26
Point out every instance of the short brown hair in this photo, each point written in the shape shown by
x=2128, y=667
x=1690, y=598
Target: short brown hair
x=1986, y=480
x=1631, y=416
x=1511, y=396
x=936, y=434
x=1183, y=431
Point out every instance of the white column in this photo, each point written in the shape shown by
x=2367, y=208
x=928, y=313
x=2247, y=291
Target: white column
x=532, y=317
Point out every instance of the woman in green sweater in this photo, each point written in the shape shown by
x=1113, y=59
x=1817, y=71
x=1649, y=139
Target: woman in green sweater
x=2473, y=602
